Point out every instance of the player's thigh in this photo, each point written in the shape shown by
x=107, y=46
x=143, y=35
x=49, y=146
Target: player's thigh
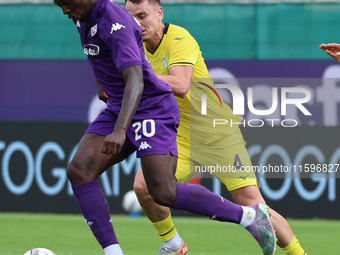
x=182, y=170
x=159, y=171
x=89, y=162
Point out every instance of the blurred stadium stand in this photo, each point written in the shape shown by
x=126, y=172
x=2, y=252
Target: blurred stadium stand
x=225, y=29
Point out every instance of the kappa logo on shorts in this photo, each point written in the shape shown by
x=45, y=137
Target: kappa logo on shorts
x=144, y=145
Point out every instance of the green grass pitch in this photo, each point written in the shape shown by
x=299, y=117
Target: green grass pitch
x=69, y=235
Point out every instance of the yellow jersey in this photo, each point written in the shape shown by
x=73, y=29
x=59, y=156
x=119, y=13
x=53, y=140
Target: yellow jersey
x=179, y=48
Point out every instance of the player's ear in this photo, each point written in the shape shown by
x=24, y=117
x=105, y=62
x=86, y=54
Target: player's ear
x=160, y=13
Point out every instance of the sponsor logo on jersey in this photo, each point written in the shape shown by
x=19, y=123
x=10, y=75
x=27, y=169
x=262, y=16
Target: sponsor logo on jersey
x=91, y=49
x=94, y=30
x=116, y=27
x=144, y=146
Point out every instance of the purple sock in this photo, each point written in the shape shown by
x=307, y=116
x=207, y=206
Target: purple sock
x=92, y=203
x=198, y=199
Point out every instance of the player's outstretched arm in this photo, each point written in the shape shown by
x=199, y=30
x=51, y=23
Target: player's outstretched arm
x=133, y=91
x=332, y=49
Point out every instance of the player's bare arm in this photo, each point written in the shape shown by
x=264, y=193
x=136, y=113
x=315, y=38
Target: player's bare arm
x=332, y=49
x=101, y=94
x=179, y=79
x=133, y=77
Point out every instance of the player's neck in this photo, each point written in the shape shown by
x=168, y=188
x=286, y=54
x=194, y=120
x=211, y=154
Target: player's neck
x=154, y=42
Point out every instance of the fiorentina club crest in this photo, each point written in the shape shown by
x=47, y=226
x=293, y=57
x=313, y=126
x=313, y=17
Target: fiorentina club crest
x=94, y=30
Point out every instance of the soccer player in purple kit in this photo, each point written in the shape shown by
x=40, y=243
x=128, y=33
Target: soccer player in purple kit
x=142, y=115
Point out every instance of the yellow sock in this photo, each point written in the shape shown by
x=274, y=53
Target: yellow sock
x=165, y=229
x=294, y=248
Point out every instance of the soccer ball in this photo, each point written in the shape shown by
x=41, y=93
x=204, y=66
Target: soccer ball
x=130, y=203
x=39, y=251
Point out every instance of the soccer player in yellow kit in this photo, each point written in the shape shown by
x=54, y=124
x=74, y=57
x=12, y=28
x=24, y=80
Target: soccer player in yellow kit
x=176, y=58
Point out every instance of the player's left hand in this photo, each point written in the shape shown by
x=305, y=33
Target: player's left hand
x=113, y=143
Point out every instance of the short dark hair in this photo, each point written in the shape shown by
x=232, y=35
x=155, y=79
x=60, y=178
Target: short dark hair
x=139, y=1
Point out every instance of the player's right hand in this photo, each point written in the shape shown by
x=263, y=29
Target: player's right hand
x=113, y=143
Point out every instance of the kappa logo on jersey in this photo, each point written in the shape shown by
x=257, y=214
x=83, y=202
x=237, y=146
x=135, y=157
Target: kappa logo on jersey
x=91, y=49
x=94, y=30
x=116, y=27
x=144, y=145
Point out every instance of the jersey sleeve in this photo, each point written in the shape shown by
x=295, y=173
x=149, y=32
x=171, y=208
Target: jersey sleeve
x=120, y=36
x=183, y=50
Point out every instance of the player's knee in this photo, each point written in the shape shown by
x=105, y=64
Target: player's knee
x=247, y=196
x=164, y=196
x=74, y=175
x=71, y=173
x=140, y=189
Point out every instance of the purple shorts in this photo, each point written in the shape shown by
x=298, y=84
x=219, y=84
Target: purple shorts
x=148, y=136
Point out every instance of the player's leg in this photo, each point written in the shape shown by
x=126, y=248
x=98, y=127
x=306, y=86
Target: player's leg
x=287, y=241
x=197, y=199
x=86, y=166
x=153, y=211
x=245, y=191
x=160, y=216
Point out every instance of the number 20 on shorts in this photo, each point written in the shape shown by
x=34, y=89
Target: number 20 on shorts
x=147, y=127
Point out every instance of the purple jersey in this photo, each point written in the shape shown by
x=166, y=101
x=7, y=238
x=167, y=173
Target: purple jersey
x=112, y=41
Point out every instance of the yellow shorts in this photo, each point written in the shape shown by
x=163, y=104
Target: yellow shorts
x=229, y=164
